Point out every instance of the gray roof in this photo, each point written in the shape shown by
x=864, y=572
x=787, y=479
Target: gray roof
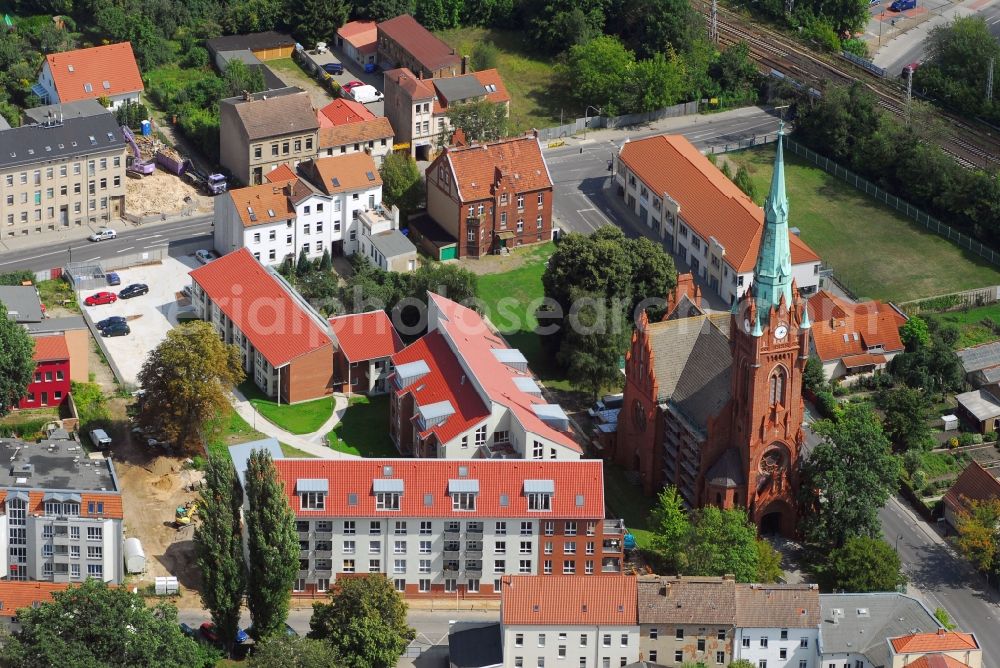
x=240, y=454
x=55, y=464
x=980, y=357
x=392, y=243
x=274, y=112
x=475, y=645
x=889, y=615
x=989, y=376
x=685, y=309
x=687, y=600
x=456, y=89
x=22, y=303
x=51, y=325
x=727, y=471
x=980, y=403
x=30, y=144
x=80, y=109
x=692, y=364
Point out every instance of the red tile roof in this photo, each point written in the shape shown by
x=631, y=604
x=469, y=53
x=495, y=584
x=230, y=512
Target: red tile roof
x=569, y=600
x=417, y=89
x=427, y=480
x=476, y=167
x=416, y=40
x=942, y=641
x=351, y=172
x=51, y=348
x=492, y=78
x=710, y=203
x=864, y=359
x=112, y=503
x=360, y=34
x=936, y=661
x=280, y=173
x=841, y=329
x=365, y=336
x=356, y=133
x=342, y=111
x=974, y=484
x=268, y=202
x=15, y=595
x=113, y=63
x=259, y=305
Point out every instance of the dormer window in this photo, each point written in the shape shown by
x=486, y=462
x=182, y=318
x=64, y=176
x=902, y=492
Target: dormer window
x=387, y=501
x=387, y=493
x=539, y=493
x=463, y=501
x=312, y=500
x=463, y=493
x=539, y=501
x=312, y=493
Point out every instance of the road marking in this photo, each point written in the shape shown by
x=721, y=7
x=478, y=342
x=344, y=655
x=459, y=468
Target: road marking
x=125, y=249
x=33, y=257
x=93, y=258
x=157, y=245
x=155, y=236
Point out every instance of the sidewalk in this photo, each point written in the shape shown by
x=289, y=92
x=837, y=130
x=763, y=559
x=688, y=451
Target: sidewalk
x=914, y=30
x=314, y=443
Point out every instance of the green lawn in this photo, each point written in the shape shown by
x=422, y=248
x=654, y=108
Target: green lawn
x=364, y=431
x=303, y=418
x=937, y=464
x=289, y=451
x=28, y=424
x=969, y=323
x=528, y=78
x=232, y=430
x=877, y=252
x=626, y=501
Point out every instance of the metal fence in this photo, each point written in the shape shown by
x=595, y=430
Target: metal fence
x=613, y=122
x=866, y=64
x=965, y=299
x=152, y=256
x=756, y=140
x=933, y=224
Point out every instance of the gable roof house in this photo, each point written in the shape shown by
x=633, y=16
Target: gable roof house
x=346, y=126
x=981, y=364
x=940, y=649
x=365, y=344
x=974, y=484
x=108, y=71
x=359, y=41
x=686, y=607
x=403, y=42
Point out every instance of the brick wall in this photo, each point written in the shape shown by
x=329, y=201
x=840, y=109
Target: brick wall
x=309, y=376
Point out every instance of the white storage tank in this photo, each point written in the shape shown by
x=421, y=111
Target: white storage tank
x=135, y=558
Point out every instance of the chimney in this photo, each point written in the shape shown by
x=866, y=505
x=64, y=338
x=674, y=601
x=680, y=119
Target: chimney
x=465, y=64
x=942, y=632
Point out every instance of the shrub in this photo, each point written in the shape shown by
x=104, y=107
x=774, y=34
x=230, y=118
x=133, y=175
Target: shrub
x=823, y=35
x=918, y=479
x=953, y=442
x=826, y=404
x=484, y=56
x=856, y=46
x=965, y=438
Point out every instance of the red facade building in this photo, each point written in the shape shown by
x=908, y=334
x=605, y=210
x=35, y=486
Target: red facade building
x=50, y=384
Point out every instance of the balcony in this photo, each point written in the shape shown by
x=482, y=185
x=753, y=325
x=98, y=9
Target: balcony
x=614, y=527
x=474, y=551
x=322, y=554
x=609, y=565
x=612, y=545
x=473, y=568
x=323, y=535
x=453, y=530
x=452, y=548
x=474, y=527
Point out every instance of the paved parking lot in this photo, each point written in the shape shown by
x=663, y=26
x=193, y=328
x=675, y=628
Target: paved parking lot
x=352, y=72
x=149, y=316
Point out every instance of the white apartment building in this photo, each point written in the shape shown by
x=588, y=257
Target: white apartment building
x=572, y=622
x=777, y=626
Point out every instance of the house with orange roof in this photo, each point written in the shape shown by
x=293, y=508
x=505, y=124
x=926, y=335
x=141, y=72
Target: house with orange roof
x=359, y=41
x=974, y=484
x=50, y=384
x=284, y=344
x=107, y=71
x=853, y=339
x=941, y=649
x=460, y=392
x=492, y=196
x=346, y=126
x=403, y=42
x=15, y=596
x=700, y=215
x=64, y=513
x=364, y=344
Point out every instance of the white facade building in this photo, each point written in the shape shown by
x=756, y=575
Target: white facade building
x=777, y=626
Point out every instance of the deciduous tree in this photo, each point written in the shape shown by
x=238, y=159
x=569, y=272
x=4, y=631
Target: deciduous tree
x=862, y=564
x=905, y=420
x=17, y=364
x=240, y=77
x=721, y=542
x=914, y=333
x=596, y=336
x=282, y=651
x=768, y=562
x=670, y=526
x=318, y=20
x=596, y=72
x=187, y=380
x=745, y=183
x=979, y=534
x=480, y=121
x=402, y=183
x=219, y=545
x=273, y=546
x=365, y=621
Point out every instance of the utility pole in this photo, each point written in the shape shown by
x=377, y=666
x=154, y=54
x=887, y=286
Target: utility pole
x=713, y=34
x=989, y=82
x=909, y=91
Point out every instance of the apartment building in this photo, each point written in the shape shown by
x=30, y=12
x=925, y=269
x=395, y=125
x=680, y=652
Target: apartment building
x=460, y=392
x=402, y=42
x=687, y=620
x=284, y=344
x=935, y=650
x=778, y=626
x=492, y=196
x=346, y=126
x=61, y=514
x=50, y=384
x=448, y=528
x=700, y=215
x=364, y=344
x=259, y=132
x=577, y=622
x=61, y=174
x=108, y=71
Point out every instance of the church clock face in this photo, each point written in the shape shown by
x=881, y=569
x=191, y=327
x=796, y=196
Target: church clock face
x=780, y=332
x=746, y=324
x=638, y=416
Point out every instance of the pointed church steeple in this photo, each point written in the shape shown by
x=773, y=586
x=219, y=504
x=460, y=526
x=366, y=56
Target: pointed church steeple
x=773, y=271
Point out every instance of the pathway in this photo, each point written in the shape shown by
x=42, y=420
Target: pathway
x=314, y=443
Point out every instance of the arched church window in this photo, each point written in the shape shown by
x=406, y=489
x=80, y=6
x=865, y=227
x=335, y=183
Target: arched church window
x=778, y=381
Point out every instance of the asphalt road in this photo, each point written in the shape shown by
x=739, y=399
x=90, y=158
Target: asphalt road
x=945, y=579
x=181, y=238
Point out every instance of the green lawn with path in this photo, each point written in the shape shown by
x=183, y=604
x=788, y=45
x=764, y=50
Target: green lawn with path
x=879, y=253
x=301, y=418
x=364, y=429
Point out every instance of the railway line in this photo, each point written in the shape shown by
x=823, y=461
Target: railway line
x=970, y=146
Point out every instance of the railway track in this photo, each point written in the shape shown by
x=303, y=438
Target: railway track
x=969, y=146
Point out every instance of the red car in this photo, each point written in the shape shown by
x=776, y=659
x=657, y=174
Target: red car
x=352, y=84
x=101, y=298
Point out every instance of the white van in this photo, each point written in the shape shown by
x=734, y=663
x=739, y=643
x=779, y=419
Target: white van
x=100, y=439
x=366, y=94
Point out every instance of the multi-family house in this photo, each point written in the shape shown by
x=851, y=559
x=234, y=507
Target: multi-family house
x=107, y=72
x=284, y=345
x=777, y=626
x=346, y=126
x=578, y=622
x=62, y=174
x=940, y=649
x=402, y=42
x=258, y=132
x=701, y=215
x=492, y=196
x=460, y=392
x=25, y=308
x=687, y=620
x=364, y=346
x=355, y=185
x=853, y=339
x=50, y=383
x=448, y=528
x=62, y=513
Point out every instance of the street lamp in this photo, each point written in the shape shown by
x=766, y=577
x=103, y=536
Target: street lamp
x=897, y=542
x=586, y=118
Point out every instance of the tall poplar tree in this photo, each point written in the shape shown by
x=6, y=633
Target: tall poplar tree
x=273, y=546
x=16, y=362
x=219, y=547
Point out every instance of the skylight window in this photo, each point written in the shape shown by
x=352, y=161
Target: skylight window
x=336, y=182
x=370, y=175
x=87, y=88
x=107, y=85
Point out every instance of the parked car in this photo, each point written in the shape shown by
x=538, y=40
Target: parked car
x=205, y=256
x=911, y=68
x=352, y=84
x=607, y=403
x=107, y=322
x=133, y=290
x=116, y=329
x=102, y=234
x=101, y=298
x=187, y=630
x=113, y=278
x=289, y=631
x=334, y=68
x=209, y=633
x=365, y=94
x=902, y=5
x=100, y=439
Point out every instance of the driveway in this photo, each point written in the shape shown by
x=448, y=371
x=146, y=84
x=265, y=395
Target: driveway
x=352, y=72
x=149, y=316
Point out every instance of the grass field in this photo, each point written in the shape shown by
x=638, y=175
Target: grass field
x=626, y=501
x=364, y=431
x=877, y=252
x=969, y=324
x=229, y=431
x=529, y=79
x=303, y=418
